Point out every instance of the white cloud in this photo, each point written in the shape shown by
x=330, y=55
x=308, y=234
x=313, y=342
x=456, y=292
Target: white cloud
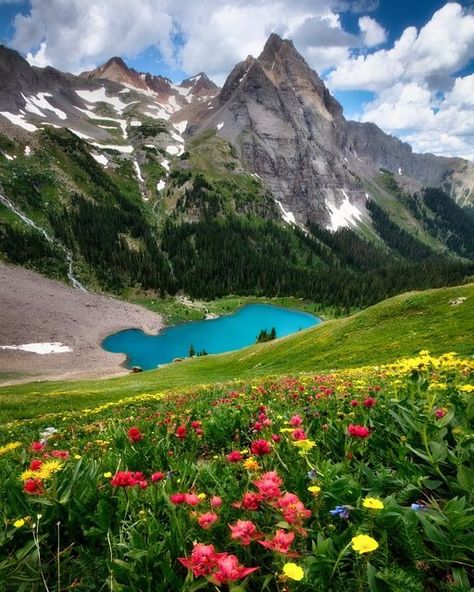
x=372, y=33
x=443, y=46
x=40, y=58
x=74, y=34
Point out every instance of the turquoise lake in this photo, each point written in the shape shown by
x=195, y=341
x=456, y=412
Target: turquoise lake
x=216, y=336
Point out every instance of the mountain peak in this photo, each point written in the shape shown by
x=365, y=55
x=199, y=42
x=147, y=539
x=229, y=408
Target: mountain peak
x=276, y=46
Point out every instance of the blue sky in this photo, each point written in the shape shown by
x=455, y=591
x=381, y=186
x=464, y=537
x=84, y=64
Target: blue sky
x=406, y=65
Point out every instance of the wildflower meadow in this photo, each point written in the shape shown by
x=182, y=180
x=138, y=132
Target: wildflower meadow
x=349, y=481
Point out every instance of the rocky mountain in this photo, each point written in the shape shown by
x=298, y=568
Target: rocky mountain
x=124, y=181
x=290, y=131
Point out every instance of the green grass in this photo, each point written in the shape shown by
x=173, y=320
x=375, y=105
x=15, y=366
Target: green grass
x=395, y=328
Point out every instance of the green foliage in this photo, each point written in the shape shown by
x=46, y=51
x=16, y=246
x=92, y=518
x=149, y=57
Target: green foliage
x=83, y=531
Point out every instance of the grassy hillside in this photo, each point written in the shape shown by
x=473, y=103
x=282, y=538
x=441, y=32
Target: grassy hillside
x=398, y=327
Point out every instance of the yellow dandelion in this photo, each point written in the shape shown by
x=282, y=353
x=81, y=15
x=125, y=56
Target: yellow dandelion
x=314, y=489
x=202, y=496
x=19, y=523
x=373, y=503
x=107, y=475
x=293, y=571
x=465, y=388
x=363, y=543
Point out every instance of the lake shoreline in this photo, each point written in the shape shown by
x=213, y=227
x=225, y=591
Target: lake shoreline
x=217, y=335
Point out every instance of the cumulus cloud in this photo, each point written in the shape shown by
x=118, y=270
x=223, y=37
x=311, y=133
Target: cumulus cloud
x=443, y=46
x=373, y=34
x=73, y=34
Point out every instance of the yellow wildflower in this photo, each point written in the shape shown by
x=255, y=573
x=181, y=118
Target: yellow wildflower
x=363, y=543
x=48, y=468
x=293, y=571
x=28, y=474
x=202, y=496
x=107, y=475
x=251, y=464
x=372, y=503
x=19, y=523
x=77, y=456
x=304, y=445
x=314, y=489
x=465, y=388
x=8, y=447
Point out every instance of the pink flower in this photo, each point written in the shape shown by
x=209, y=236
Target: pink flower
x=295, y=421
x=293, y=509
x=128, y=479
x=234, y=456
x=299, y=434
x=37, y=446
x=203, y=560
x=358, y=431
x=250, y=501
x=178, y=498
x=207, y=520
x=260, y=447
x=441, y=412
x=33, y=487
x=64, y=454
x=269, y=485
x=354, y=403
x=134, y=434
x=216, y=501
x=192, y=499
x=230, y=570
x=158, y=476
x=280, y=543
x=196, y=424
x=244, y=531
x=35, y=464
x=276, y=438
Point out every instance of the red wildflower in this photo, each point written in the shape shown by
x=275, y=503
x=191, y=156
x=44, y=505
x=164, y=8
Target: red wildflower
x=369, y=402
x=276, y=438
x=64, y=454
x=37, y=446
x=129, y=479
x=134, y=434
x=269, y=485
x=358, y=431
x=234, y=456
x=295, y=421
x=230, y=570
x=207, y=520
x=260, y=447
x=441, y=412
x=244, y=531
x=35, y=464
x=33, y=486
x=181, y=432
x=293, y=509
x=250, y=501
x=192, y=499
x=196, y=424
x=267, y=422
x=257, y=426
x=354, y=403
x=158, y=476
x=280, y=543
x=178, y=498
x=299, y=434
x=216, y=501
x=203, y=560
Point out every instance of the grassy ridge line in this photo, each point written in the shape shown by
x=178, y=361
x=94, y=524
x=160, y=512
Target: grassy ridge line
x=396, y=328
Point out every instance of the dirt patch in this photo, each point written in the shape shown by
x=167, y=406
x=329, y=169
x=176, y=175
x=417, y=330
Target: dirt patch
x=35, y=309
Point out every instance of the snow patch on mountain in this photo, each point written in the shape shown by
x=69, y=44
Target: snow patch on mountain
x=160, y=185
x=99, y=96
x=54, y=347
x=19, y=120
x=287, y=216
x=36, y=102
x=343, y=216
x=100, y=158
x=118, y=147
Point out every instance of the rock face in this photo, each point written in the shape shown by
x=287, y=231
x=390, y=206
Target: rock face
x=291, y=132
